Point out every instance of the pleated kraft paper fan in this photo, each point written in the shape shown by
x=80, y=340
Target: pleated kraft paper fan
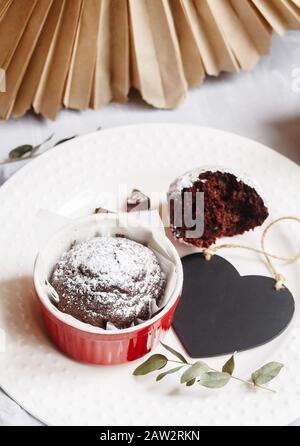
x=86, y=53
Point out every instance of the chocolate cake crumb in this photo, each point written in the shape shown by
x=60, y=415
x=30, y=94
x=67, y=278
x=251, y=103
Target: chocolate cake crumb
x=103, y=211
x=108, y=280
x=231, y=206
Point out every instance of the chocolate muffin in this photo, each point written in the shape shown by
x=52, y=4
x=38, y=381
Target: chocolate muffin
x=229, y=206
x=108, y=280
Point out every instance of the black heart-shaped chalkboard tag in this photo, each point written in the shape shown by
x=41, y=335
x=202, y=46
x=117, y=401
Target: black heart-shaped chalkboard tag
x=221, y=312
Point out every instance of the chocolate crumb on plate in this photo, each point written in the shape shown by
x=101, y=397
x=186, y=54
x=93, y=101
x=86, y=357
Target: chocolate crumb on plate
x=103, y=211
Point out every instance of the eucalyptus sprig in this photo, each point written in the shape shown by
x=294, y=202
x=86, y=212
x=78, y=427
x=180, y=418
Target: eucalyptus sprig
x=201, y=373
x=25, y=151
x=29, y=151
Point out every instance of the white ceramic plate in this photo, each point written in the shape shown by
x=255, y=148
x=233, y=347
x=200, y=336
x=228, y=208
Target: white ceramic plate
x=69, y=180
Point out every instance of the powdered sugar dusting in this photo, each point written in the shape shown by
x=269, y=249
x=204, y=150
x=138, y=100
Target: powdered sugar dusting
x=108, y=279
x=188, y=178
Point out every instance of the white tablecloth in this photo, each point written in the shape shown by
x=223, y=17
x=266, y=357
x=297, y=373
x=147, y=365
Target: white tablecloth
x=263, y=105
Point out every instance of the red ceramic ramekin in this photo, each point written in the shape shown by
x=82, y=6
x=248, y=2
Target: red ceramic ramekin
x=85, y=342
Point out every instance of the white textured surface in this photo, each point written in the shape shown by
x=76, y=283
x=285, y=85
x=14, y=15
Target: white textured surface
x=61, y=391
x=261, y=105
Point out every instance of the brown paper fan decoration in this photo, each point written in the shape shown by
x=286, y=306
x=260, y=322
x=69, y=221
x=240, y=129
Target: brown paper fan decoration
x=86, y=53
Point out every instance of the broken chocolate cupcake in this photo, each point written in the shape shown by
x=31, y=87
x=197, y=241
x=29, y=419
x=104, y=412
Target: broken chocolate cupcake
x=108, y=280
x=220, y=203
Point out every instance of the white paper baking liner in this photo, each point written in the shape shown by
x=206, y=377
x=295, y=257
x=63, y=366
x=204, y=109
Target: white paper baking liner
x=145, y=228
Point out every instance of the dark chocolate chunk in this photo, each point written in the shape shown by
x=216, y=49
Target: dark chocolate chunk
x=138, y=201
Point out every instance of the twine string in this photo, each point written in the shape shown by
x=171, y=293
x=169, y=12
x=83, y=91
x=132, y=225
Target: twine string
x=278, y=277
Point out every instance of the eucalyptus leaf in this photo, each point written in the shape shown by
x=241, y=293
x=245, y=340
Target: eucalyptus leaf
x=65, y=140
x=215, y=380
x=266, y=373
x=229, y=366
x=20, y=151
x=168, y=372
x=36, y=148
x=174, y=352
x=203, y=374
x=191, y=383
x=155, y=362
x=197, y=369
x=26, y=149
